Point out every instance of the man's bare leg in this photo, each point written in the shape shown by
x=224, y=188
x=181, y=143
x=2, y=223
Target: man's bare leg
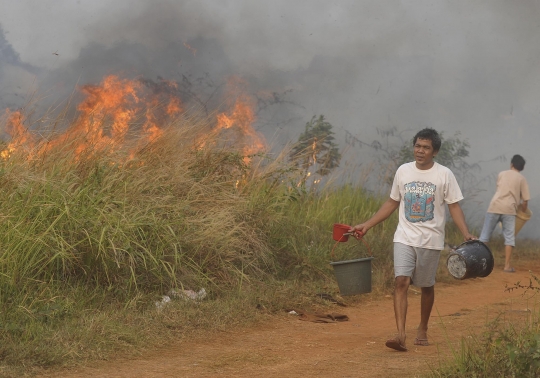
x=508, y=254
x=426, y=305
x=400, y=305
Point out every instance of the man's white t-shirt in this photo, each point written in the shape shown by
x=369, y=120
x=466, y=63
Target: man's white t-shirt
x=422, y=212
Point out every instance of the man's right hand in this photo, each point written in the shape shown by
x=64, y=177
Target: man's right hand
x=359, y=230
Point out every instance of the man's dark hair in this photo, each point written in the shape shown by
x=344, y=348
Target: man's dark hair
x=518, y=162
x=429, y=134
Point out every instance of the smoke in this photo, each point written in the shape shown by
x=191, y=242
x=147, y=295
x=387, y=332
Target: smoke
x=456, y=66
x=12, y=71
x=7, y=53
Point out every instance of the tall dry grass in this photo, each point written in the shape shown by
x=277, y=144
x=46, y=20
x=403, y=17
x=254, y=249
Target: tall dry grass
x=171, y=212
x=91, y=237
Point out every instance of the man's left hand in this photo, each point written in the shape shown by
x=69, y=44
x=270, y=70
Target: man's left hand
x=468, y=236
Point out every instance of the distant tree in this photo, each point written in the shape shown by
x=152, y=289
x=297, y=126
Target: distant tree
x=316, y=152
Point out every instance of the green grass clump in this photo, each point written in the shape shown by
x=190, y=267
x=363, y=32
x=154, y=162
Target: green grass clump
x=506, y=350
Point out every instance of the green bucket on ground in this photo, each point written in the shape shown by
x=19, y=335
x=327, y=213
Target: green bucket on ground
x=353, y=276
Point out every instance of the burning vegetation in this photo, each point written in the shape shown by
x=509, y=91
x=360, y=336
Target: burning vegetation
x=123, y=114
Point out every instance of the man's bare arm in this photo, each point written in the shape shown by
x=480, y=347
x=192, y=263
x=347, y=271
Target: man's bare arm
x=459, y=220
x=383, y=213
x=524, y=205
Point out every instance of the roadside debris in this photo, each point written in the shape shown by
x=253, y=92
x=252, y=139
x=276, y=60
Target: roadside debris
x=161, y=304
x=329, y=298
x=319, y=317
x=187, y=294
x=180, y=294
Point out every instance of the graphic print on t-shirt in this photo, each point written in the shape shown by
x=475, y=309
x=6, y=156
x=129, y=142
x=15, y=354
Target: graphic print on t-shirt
x=419, y=201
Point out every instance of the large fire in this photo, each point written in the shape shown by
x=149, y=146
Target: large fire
x=241, y=118
x=236, y=124
x=120, y=109
x=18, y=132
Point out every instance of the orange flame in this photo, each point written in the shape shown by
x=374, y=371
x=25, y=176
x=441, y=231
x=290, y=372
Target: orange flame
x=19, y=133
x=241, y=118
x=110, y=111
x=115, y=99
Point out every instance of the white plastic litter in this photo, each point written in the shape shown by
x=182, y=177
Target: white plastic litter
x=164, y=300
x=293, y=312
x=188, y=294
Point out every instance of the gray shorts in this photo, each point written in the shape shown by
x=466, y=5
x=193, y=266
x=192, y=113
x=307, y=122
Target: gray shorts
x=418, y=263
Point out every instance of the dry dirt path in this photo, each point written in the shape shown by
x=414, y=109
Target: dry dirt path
x=287, y=347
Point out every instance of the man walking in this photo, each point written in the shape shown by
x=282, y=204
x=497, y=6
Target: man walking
x=420, y=191
x=512, y=193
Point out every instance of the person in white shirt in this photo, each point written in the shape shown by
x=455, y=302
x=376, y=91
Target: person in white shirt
x=421, y=190
x=512, y=194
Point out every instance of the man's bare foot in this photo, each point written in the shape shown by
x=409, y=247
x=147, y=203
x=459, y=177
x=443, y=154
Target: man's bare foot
x=396, y=344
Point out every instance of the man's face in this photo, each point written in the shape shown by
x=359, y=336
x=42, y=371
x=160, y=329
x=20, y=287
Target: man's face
x=424, y=153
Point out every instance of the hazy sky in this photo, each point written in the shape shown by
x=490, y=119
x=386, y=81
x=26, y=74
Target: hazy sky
x=459, y=66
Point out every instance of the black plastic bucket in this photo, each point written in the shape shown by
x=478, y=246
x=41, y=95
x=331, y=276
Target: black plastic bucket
x=469, y=260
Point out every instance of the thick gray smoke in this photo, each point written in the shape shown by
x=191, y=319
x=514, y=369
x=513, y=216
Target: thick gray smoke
x=457, y=66
x=11, y=65
x=7, y=53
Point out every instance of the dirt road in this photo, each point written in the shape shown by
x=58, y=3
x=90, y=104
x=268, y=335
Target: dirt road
x=288, y=347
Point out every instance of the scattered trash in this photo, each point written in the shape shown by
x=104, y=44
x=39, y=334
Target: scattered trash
x=292, y=312
x=187, y=294
x=164, y=300
x=180, y=294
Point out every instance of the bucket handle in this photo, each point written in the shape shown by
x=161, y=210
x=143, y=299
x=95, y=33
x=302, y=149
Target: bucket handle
x=347, y=234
